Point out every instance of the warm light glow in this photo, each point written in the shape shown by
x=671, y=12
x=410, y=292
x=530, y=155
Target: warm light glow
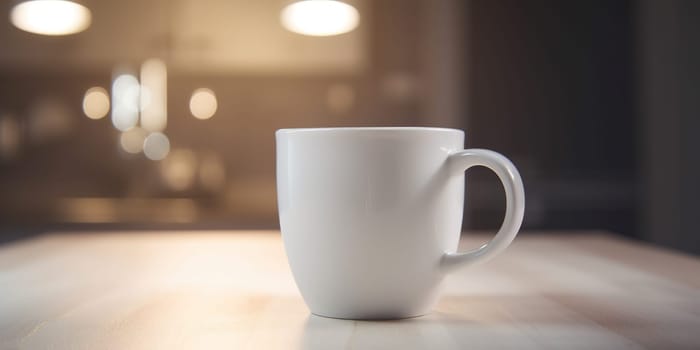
x=51, y=17
x=340, y=98
x=154, y=92
x=9, y=137
x=132, y=140
x=125, y=102
x=110, y=209
x=320, y=17
x=212, y=172
x=48, y=119
x=156, y=146
x=203, y=103
x=178, y=170
x=96, y=103
x=400, y=86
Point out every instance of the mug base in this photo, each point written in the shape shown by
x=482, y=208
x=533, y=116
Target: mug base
x=378, y=317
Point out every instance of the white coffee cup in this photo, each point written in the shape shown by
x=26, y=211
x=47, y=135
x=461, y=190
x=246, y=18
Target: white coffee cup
x=371, y=217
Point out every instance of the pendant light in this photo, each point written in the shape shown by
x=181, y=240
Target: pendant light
x=320, y=17
x=51, y=17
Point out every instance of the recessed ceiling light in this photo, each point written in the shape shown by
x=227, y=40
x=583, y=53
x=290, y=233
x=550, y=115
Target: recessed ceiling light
x=320, y=17
x=51, y=17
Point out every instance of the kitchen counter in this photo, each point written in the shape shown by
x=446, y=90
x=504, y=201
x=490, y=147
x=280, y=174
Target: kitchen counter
x=234, y=290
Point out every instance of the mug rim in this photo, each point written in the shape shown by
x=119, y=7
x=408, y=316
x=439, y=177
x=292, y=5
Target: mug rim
x=367, y=128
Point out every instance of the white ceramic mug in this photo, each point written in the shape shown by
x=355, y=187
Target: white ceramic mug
x=371, y=217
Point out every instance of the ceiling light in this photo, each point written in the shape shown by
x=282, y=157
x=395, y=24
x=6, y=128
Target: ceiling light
x=320, y=17
x=50, y=17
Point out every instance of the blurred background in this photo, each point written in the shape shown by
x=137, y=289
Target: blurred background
x=161, y=113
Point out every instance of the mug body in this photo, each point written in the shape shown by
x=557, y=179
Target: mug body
x=366, y=215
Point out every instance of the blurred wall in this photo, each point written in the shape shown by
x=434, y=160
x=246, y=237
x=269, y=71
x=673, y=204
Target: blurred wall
x=597, y=102
x=552, y=85
x=669, y=71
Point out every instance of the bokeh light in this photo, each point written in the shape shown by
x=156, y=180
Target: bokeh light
x=49, y=119
x=400, y=86
x=96, y=103
x=125, y=102
x=132, y=140
x=203, y=103
x=9, y=137
x=178, y=170
x=212, y=172
x=340, y=98
x=154, y=92
x=156, y=146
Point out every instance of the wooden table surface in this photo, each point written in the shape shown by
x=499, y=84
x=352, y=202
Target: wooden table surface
x=234, y=290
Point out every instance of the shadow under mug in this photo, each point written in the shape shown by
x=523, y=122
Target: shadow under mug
x=371, y=217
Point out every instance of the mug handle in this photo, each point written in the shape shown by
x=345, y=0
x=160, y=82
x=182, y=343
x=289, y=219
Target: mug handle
x=460, y=161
